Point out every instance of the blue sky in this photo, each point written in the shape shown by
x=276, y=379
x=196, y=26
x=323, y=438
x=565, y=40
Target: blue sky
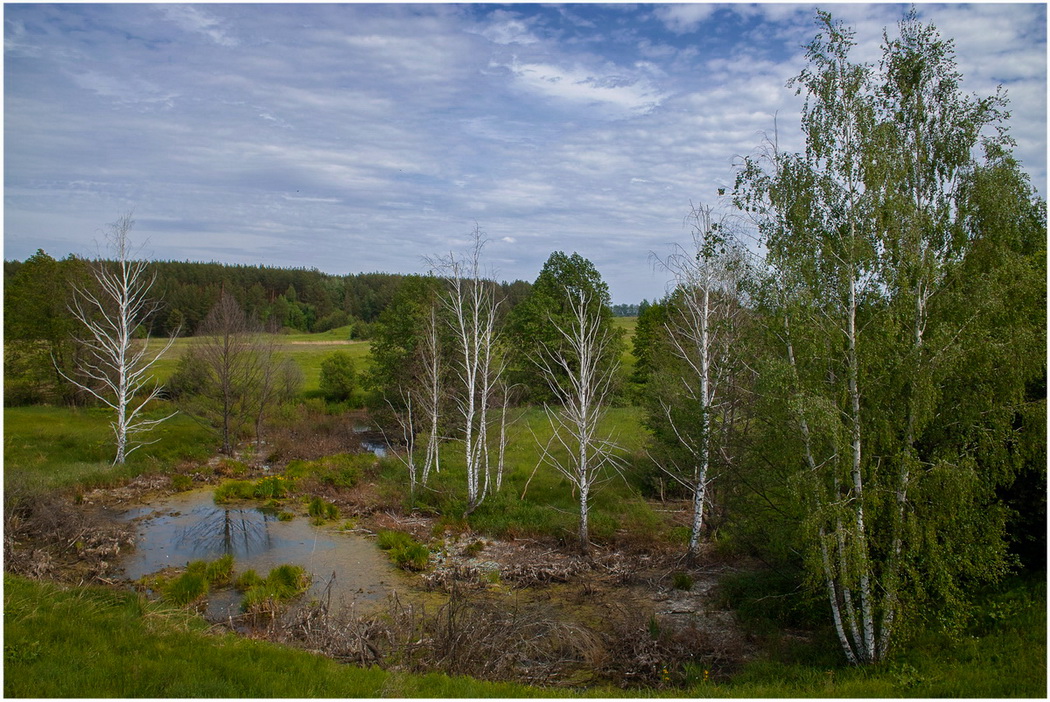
x=364, y=137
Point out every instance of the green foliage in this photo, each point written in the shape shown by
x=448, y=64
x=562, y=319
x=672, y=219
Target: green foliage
x=338, y=376
x=248, y=579
x=181, y=483
x=651, y=319
x=80, y=642
x=321, y=510
x=39, y=329
x=234, y=490
x=387, y=539
x=533, y=324
x=271, y=487
x=283, y=583
x=53, y=447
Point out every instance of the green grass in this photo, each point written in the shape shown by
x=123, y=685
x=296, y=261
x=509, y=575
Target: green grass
x=92, y=642
x=55, y=447
x=307, y=350
x=539, y=501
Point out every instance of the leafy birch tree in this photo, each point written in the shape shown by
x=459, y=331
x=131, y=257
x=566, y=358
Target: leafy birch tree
x=864, y=241
x=692, y=391
x=114, y=366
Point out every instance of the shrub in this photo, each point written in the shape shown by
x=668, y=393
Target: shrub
x=338, y=376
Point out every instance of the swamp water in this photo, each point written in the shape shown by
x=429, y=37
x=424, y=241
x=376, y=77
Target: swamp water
x=176, y=529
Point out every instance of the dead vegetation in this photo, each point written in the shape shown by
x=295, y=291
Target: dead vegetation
x=47, y=536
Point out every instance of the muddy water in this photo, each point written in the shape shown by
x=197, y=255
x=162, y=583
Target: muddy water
x=188, y=526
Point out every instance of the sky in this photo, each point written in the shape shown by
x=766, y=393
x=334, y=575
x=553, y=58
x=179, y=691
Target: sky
x=364, y=137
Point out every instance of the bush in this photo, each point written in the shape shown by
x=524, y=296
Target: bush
x=338, y=376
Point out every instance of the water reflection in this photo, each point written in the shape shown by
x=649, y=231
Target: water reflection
x=189, y=526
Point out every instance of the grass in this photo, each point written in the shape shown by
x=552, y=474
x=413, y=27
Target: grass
x=93, y=642
x=307, y=350
x=536, y=500
x=404, y=551
x=47, y=448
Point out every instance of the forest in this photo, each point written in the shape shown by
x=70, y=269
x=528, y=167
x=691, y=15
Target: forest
x=815, y=467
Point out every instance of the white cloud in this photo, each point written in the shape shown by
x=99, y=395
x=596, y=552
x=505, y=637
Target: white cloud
x=683, y=18
x=609, y=88
x=193, y=19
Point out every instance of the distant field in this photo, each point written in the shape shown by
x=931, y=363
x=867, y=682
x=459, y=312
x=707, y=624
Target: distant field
x=308, y=350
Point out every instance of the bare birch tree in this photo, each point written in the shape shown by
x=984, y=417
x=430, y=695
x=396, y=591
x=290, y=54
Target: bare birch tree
x=473, y=308
x=116, y=366
x=580, y=375
x=701, y=327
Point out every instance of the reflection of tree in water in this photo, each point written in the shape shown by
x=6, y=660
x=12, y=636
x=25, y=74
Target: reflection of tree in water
x=241, y=532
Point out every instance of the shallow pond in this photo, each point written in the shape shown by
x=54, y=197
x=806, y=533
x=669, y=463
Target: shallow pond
x=189, y=526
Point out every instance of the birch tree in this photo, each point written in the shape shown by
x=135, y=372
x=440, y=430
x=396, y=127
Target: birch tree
x=479, y=361
x=579, y=373
x=863, y=238
x=114, y=366
x=694, y=404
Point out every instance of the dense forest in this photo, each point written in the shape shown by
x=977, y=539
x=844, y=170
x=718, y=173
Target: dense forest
x=861, y=409
x=299, y=299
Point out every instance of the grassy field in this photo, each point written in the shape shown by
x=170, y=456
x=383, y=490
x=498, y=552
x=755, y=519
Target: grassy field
x=92, y=642
x=55, y=447
x=536, y=500
x=307, y=350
